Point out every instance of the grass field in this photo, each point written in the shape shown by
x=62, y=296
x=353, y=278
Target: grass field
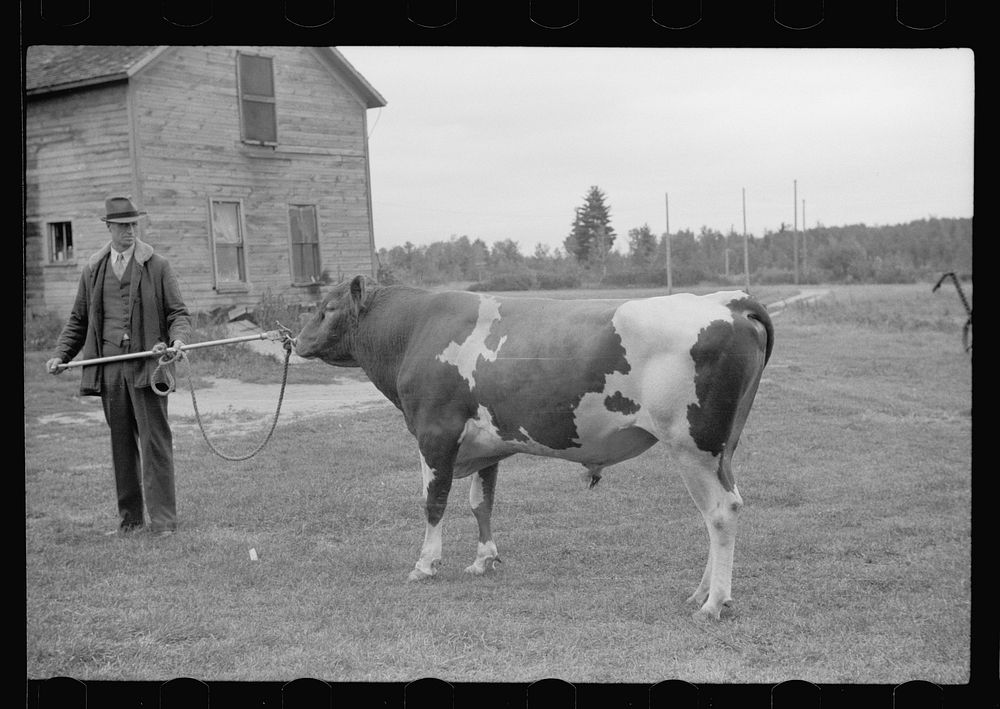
x=852, y=559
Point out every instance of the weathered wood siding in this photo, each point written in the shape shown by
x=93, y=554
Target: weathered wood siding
x=188, y=145
x=76, y=154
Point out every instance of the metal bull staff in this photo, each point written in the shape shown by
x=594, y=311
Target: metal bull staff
x=480, y=378
x=270, y=335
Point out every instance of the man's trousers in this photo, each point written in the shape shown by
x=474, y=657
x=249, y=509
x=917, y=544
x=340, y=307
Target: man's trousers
x=141, y=446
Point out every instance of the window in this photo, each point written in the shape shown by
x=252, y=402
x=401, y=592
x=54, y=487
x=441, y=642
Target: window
x=259, y=123
x=305, y=243
x=227, y=243
x=60, y=242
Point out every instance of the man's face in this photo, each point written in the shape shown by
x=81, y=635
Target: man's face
x=123, y=234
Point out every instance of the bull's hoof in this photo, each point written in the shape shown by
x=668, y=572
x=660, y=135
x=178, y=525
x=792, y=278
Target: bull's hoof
x=704, y=615
x=709, y=613
x=418, y=574
x=489, y=565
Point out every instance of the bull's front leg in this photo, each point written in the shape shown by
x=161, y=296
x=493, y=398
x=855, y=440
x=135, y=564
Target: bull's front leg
x=481, y=500
x=436, y=486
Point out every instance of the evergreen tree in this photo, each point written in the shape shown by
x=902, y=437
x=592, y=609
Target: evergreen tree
x=592, y=235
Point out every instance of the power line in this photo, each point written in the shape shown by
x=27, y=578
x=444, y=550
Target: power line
x=476, y=213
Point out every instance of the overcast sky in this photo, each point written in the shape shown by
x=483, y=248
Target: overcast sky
x=505, y=142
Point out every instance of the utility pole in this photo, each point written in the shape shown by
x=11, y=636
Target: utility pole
x=795, y=230
x=670, y=275
x=805, y=242
x=746, y=246
x=728, y=240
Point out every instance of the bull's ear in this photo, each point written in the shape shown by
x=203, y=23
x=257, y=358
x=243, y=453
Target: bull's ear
x=359, y=289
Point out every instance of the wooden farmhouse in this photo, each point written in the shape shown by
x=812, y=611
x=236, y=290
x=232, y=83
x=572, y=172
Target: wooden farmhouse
x=251, y=162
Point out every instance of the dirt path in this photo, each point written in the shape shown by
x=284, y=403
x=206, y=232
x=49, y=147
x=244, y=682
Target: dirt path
x=231, y=395
x=230, y=402
x=805, y=295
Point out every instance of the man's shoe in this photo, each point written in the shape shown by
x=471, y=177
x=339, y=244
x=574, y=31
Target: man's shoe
x=124, y=529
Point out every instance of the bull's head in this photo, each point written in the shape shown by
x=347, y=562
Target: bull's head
x=329, y=334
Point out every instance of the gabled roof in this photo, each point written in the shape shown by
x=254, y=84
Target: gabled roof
x=49, y=68
x=54, y=68
x=369, y=96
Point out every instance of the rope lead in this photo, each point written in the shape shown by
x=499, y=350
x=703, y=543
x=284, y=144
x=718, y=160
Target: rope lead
x=162, y=380
x=166, y=379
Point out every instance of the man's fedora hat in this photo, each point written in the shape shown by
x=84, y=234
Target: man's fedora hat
x=120, y=209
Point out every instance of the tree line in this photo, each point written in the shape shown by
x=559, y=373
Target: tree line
x=856, y=253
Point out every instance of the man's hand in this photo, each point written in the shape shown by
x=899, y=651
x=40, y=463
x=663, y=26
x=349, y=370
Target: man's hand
x=159, y=348
x=53, y=366
x=177, y=345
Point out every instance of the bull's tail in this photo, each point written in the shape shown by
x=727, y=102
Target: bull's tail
x=756, y=312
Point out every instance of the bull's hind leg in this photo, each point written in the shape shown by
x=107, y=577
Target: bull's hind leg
x=700, y=594
x=437, y=485
x=481, y=501
x=720, y=509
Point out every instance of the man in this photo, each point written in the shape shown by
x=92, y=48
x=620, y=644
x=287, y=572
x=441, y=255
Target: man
x=129, y=300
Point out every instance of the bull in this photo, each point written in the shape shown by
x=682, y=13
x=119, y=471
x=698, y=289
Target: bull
x=480, y=378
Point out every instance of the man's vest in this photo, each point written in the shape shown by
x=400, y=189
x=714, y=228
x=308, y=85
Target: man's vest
x=116, y=315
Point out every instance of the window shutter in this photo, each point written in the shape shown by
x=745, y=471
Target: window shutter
x=304, y=234
x=257, y=104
